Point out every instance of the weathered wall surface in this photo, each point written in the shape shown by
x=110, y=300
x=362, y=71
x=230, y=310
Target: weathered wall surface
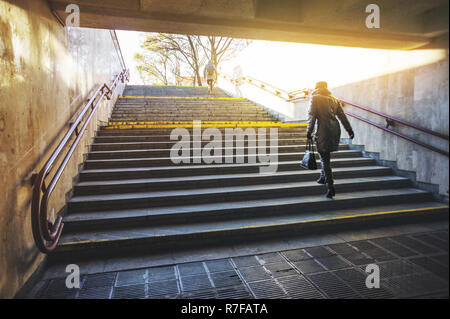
x=46, y=73
x=419, y=95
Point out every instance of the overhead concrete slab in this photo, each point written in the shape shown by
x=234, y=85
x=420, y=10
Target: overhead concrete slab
x=403, y=24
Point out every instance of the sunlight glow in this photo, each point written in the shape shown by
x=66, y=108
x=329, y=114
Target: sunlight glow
x=292, y=66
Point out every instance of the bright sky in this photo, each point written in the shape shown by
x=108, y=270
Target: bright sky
x=292, y=66
x=130, y=44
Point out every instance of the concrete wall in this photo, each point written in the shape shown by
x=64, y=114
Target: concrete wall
x=419, y=95
x=46, y=73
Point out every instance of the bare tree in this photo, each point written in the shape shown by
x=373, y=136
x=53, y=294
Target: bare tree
x=177, y=52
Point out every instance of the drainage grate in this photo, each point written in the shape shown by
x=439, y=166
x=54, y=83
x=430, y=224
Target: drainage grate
x=319, y=251
x=57, y=289
x=308, y=266
x=161, y=274
x=297, y=287
x=267, y=289
x=314, y=272
x=160, y=288
x=129, y=292
x=357, y=281
x=333, y=262
x=359, y=259
x=270, y=258
x=219, y=265
x=343, y=249
x=332, y=286
x=191, y=269
x=282, y=269
x=99, y=280
x=394, y=247
x=196, y=282
x=296, y=255
x=254, y=273
x=433, y=241
x=415, y=245
x=132, y=277
x=95, y=293
x=205, y=294
x=415, y=285
x=236, y=292
x=431, y=265
x=224, y=279
x=397, y=268
x=443, y=259
x=442, y=235
x=373, y=251
x=246, y=261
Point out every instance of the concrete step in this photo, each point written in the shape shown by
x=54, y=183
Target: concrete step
x=205, y=181
x=165, y=138
x=175, y=112
x=190, y=118
x=150, y=90
x=191, y=160
x=235, y=193
x=131, y=197
x=167, y=131
x=191, y=233
x=168, y=111
x=184, y=101
x=168, y=144
x=197, y=110
x=187, y=105
x=196, y=170
x=174, y=215
x=166, y=152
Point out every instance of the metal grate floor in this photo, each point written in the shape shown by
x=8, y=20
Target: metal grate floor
x=411, y=266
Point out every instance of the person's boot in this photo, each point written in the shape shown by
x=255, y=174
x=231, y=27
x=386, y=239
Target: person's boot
x=321, y=180
x=331, y=191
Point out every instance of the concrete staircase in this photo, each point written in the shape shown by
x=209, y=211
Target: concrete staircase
x=130, y=197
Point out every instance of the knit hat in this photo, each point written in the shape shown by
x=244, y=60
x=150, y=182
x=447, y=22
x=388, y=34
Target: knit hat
x=322, y=85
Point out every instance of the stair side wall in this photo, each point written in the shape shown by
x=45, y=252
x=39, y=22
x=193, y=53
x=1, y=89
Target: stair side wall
x=46, y=73
x=419, y=95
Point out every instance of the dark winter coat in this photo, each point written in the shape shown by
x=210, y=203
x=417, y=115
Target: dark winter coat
x=324, y=109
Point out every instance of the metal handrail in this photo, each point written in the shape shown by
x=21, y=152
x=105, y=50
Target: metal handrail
x=391, y=119
x=282, y=94
x=427, y=146
x=45, y=233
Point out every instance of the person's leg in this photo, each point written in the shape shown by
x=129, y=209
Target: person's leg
x=322, y=179
x=325, y=158
x=210, y=84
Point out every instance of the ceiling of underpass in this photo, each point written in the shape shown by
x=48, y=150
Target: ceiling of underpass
x=404, y=24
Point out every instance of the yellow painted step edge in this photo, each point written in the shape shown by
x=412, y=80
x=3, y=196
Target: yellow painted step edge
x=169, y=124
x=391, y=212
